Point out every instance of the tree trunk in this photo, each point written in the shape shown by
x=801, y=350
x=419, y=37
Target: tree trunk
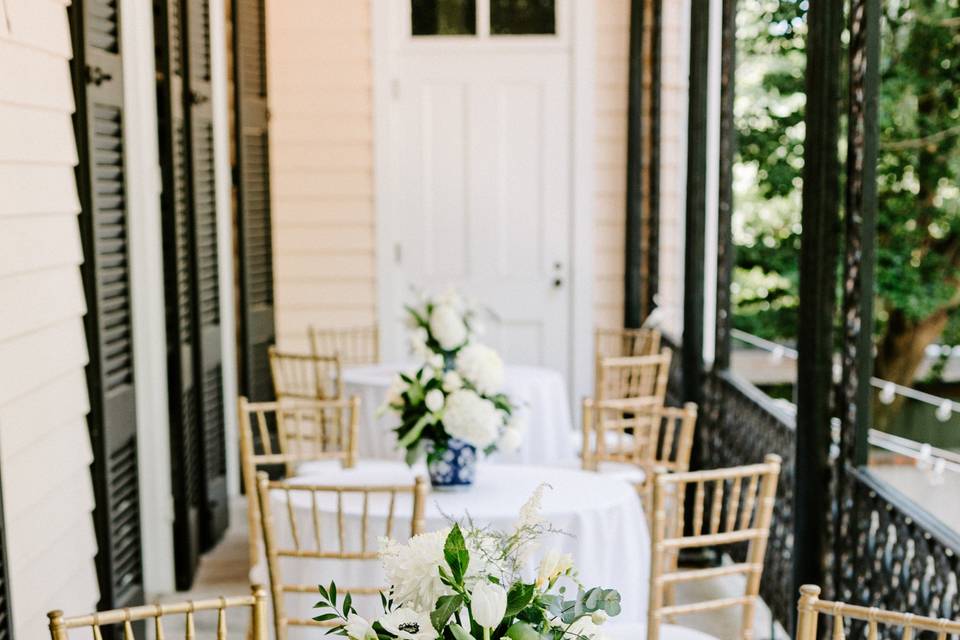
x=900, y=354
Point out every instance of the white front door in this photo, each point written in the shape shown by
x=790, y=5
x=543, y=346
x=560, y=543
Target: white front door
x=480, y=173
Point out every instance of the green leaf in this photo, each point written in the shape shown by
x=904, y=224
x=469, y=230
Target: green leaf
x=456, y=554
x=411, y=436
x=518, y=597
x=446, y=607
x=333, y=594
x=323, y=592
x=522, y=631
x=347, y=602
x=323, y=617
x=459, y=633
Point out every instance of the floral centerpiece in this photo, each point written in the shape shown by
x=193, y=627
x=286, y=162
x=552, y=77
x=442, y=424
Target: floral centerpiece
x=472, y=583
x=453, y=405
x=442, y=325
x=449, y=413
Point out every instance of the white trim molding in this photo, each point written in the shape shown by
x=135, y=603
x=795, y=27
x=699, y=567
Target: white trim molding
x=225, y=229
x=147, y=294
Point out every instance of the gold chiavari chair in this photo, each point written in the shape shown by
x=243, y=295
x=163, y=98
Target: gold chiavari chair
x=638, y=444
x=730, y=507
x=305, y=376
x=354, y=345
x=59, y=625
x=634, y=380
x=315, y=544
x=291, y=433
x=810, y=607
x=611, y=343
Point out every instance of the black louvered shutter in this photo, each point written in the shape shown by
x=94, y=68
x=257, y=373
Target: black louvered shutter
x=213, y=513
x=252, y=174
x=97, y=72
x=6, y=622
x=186, y=471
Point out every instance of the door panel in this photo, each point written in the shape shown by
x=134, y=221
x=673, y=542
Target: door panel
x=101, y=180
x=482, y=162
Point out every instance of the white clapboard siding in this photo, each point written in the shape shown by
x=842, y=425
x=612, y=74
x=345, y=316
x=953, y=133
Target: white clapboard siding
x=44, y=444
x=321, y=155
x=613, y=66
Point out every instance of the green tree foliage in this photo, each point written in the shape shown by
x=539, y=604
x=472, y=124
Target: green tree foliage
x=918, y=231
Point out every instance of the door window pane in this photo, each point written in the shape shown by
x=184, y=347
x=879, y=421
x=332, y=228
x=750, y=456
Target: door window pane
x=510, y=17
x=443, y=17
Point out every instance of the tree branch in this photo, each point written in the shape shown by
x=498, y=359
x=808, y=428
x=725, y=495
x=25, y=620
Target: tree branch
x=919, y=143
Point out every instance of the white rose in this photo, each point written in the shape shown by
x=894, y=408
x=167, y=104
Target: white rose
x=452, y=381
x=488, y=603
x=427, y=375
x=510, y=440
x=553, y=565
x=435, y=361
x=447, y=327
x=471, y=418
x=418, y=343
x=359, y=628
x=408, y=624
x=482, y=366
x=451, y=298
x=434, y=400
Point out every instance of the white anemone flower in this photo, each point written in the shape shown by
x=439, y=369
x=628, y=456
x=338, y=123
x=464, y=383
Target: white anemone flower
x=471, y=418
x=408, y=624
x=481, y=366
x=447, y=327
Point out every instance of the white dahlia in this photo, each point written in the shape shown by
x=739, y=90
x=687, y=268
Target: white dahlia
x=471, y=418
x=413, y=569
x=447, y=327
x=482, y=366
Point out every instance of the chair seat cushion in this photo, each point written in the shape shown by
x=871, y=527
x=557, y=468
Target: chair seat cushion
x=638, y=631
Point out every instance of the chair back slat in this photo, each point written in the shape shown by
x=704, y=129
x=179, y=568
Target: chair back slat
x=642, y=379
x=344, y=548
x=59, y=624
x=626, y=342
x=353, y=345
x=654, y=438
x=306, y=376
x=714, y=493
x=288, y=433
x=810, y=607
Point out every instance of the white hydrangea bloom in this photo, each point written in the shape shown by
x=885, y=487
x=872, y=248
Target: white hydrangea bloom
x=447, y=327
x=471, y=418
x=482, y=366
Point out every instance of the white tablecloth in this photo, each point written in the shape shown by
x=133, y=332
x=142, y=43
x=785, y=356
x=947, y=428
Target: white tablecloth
x=608, y=535
x=540, y=393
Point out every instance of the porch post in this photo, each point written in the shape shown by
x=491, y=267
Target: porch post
x=728, y=150
x=633, y=303
x=818, y=269
x=854, y=396
x=693, y=262
x=653, y=172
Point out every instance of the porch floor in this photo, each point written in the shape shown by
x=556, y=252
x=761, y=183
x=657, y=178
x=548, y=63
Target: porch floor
x=224, y=571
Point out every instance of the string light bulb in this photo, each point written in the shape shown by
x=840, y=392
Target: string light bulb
x=944, y=411
x=888, y=393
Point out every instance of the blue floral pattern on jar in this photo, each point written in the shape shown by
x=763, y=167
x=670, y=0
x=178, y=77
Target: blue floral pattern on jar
x=454, y=468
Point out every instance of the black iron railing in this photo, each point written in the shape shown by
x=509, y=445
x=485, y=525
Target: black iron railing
x=743, y=425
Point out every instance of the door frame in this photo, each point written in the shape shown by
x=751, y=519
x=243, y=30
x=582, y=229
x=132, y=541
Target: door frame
x=581, y=39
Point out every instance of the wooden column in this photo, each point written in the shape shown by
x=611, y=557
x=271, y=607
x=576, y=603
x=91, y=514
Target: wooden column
x=633, y=303
x=653, y=195
x=818, y=269
x=693, y=285
x=854, y=394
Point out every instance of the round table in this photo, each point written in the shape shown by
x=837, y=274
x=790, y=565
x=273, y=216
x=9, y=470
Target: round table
x=540, y=394
x=603, y=523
